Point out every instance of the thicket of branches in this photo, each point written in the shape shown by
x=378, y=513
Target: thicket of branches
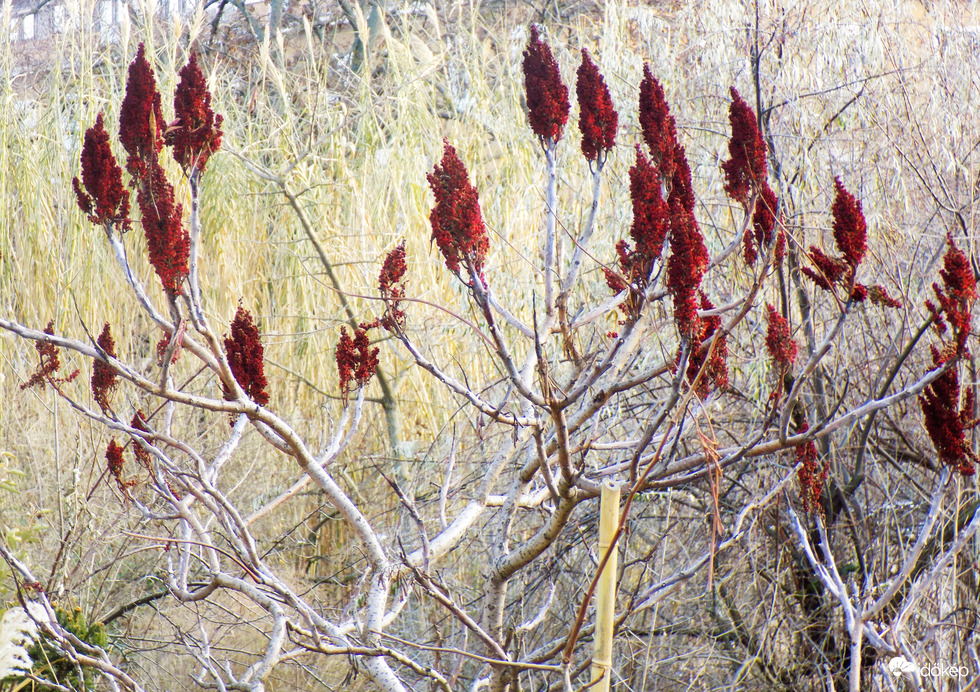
x=787, y=401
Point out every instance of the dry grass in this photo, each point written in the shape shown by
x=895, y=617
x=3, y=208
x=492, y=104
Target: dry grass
x=883, y=95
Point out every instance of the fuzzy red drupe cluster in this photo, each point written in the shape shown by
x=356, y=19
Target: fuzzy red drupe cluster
x=50, y=363
x=659, y=131
x=850, y=228
x=196, y=133
x=714, y=360
x=104, y=198
x=746, y=169
x=656, y=220
x=746, y=182
x=547, y=95
x=114, y=463
x=246, y=357
x=782, y=349
x=657, y=124
x=946, y=421
x=141, y=133
x=660, y=135
x=161, y=349
x=689, y=256
x=763, y=225
x=356, y=360
x=685, y=267
x=167, y=241
x=141, y=117
x=139, y=423
x=829, y=271
x=879, y=296
x=392, y=287
x=597, y=115
x=850, y=231
x=103, y=374
x=812, y=473
x=955, y=297
x=651, y=215
x=457, y=224
x=651, y=221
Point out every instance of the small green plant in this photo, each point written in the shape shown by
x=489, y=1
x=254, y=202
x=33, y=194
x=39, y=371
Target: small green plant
x=50, y=663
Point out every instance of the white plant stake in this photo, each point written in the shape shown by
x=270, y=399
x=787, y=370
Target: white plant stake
x=605, y=614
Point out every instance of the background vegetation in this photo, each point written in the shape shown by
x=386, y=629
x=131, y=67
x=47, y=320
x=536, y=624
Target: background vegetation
x=883, y=95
